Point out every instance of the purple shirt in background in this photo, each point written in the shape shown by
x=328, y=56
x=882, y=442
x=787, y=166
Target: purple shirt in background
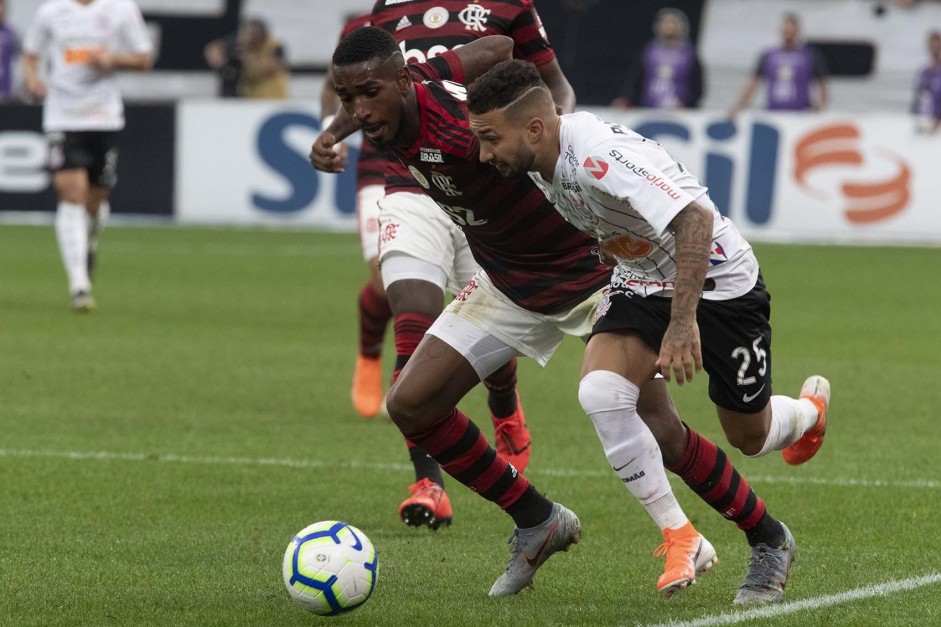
x=928, y=92
x=667, y=75
x=789, y=73
x=9, y=47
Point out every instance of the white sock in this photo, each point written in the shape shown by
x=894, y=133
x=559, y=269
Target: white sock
x=72, y=233
x=790, y=419
x=611, y=402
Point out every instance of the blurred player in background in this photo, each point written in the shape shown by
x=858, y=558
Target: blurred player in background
x=791, y=70
x=84, y=42
x=927, y=104
x=423, y=253
x=251, y=63
x=668, y=75
x=374, y=311
x=681, y=270
x=9, y=49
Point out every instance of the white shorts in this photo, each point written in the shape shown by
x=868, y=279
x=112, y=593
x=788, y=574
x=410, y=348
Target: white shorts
x=413, y=225
x=367, y=219
x=487, y=328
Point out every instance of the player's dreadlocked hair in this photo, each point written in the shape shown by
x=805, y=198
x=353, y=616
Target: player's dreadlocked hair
x=363, y=44
x=502, y=84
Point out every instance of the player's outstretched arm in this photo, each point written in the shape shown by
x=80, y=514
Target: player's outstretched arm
x=482, y=54
x=327, y=153
x=681, y=350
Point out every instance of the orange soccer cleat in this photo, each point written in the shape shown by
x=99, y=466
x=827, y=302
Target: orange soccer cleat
x=427, y=506
x=512, y=437
x=816, y=389
x=688, y=554
x=367, y=386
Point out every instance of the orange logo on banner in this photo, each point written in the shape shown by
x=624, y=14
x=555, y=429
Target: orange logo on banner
x=867, y=201
x=625, y=247
x=82, y=55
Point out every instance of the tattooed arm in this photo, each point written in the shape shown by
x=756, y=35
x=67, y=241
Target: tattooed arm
x=681, y=349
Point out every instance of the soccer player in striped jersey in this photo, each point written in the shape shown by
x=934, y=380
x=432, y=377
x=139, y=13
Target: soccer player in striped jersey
x=372, y=304
x=428, y=257
x=682, y=272
x=540, y=280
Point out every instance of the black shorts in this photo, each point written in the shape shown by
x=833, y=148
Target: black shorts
x=93, y=151
x=735, y=336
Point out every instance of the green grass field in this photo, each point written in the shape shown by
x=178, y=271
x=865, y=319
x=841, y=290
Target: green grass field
x=158, y=454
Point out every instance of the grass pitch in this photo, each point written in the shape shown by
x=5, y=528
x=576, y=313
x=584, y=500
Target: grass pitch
x=158, y=454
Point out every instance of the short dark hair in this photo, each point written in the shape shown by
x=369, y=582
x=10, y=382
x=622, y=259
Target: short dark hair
x=501, y=85
x=363, y=44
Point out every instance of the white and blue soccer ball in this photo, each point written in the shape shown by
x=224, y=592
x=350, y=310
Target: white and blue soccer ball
x=330, y=567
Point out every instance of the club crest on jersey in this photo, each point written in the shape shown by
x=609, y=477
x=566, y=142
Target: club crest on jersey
x=596, y=167
x=430, y=155
x=419, y=176
x=445, y=183
x=435, y=17
x=474, y=17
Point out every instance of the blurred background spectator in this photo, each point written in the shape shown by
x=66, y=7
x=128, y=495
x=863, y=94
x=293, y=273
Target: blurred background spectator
x=790, y=71
x=668, y=75
x=250, y=64
x=927, y=104
x=9, y=49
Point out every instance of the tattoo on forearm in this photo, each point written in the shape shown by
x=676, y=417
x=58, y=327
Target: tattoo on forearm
x=692, y=229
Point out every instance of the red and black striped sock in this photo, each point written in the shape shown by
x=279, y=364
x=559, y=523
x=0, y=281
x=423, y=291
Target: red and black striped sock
x=374, y=315
x=706, y=469
x=409, y=330
x=457, y=444
x=501, y=390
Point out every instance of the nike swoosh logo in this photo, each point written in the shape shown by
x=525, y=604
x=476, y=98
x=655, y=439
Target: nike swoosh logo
x=534, y=560
x=617, y=469
x=749, y=398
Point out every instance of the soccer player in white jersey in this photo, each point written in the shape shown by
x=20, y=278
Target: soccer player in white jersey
x=83, y=43
x=683, y=272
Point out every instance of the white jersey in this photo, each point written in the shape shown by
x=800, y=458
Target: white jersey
x=625, y=190
x=80, y=97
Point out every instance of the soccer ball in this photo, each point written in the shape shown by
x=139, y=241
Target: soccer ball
x=330, y=567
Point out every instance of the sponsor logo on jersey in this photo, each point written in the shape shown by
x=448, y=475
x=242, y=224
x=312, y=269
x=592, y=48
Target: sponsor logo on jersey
x=435, y=17
x=419, y=176
x=431, y=155
x=474, y=17
x=414, y=55
x=603, y=305
x=571, y=186
x=83, y=56
x=596, y=167
x=718, y=254
x=403, y=23
x=655, y=180
x=625, y=247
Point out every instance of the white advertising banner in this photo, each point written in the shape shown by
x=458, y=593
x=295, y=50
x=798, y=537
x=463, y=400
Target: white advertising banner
x=246, y=163
x=780, y=177
x=809, y=177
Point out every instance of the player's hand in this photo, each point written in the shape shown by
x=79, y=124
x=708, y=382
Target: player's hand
x=35, y=88
x=328, y=155
x=102, y=61
x=680, y=351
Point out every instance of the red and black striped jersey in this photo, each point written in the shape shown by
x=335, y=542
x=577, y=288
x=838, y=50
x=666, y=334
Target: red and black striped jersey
x=372, y=163
x=426, y=28
x=537, y=259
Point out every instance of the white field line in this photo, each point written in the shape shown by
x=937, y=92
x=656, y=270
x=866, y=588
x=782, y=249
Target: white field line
x=927, y=484
x=814, y=603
